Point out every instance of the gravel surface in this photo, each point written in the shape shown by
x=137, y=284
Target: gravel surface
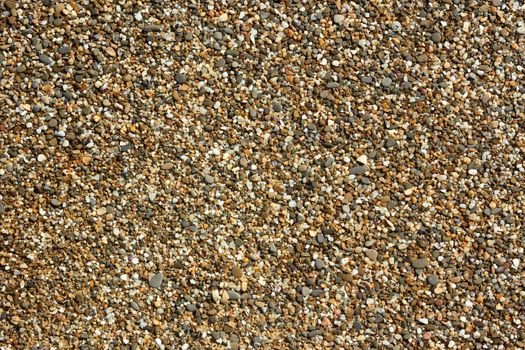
x=262, y=174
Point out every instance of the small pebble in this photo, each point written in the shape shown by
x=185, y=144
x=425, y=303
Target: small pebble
x=156, y=280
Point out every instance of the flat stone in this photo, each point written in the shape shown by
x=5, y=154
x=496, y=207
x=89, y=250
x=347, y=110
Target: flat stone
x=233, y=295
x=338, y=19
x=64, y=50
x=167, y=166
x=45, y=59
x=152, y=28
x=356, y=170
x=314, y=333
x=156, y=280
x=371, y=254
x=436, y=37
x=419, y=263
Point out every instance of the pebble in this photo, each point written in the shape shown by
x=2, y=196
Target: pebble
x=363, y=159
x=419, y=263
x=338, y=19
x=386, y=82
x=371, y=254
x=233, y=295
x=167, y=166
x=209, y=179
x=433, y=280
x=41, y=158
x=237, y=272
x=277, y=107
x=180, y=78
x=155, y=281
x=305, y=291
x=45, y=59
x=357, y=170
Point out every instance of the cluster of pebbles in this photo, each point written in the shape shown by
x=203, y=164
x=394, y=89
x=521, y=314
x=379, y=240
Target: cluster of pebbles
x=243, y=174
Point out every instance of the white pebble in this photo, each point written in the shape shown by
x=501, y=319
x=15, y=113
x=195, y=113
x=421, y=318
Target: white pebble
x=41, y=158
x=363, y=159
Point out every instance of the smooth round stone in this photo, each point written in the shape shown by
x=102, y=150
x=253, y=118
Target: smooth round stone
x=436, y=37
x=41, y=158
x=277, y=107
x=338, y=19
x=180, y=78
x=305, y=291
x=433, y=280
x=52, y=123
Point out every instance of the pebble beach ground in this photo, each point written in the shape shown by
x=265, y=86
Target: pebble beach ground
x=262, y=174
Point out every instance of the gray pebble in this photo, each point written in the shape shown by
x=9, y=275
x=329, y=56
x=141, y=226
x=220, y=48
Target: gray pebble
x=45, y=59
x=390, y=142
x=156, y=280
x=317, y=292
x=319, y=264
x=371, y=254
x=233, y=295
x=152, y=28
x=277, y=107
x=209, y=179
x=314, y=333
x=366, y=80
x=134, y=305
x=436, y=37
x=386, y=82
x=180, y=78
x=419, y=263
x=305, y=291
x=433, y=280
x=55, y=203
x=64, y=50
x=358, y=170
